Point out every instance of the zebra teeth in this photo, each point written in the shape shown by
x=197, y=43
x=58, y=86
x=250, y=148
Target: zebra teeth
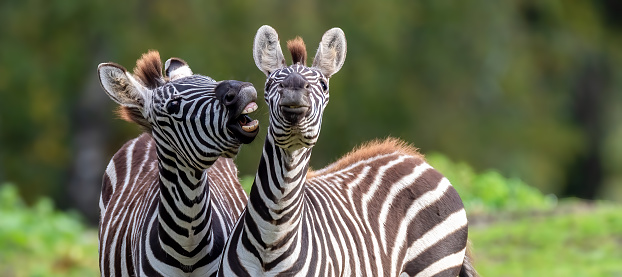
x=251, y=107
x=252, y=126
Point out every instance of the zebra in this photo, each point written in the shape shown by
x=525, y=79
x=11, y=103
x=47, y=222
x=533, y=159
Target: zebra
x=379, y=211
x=171, y=196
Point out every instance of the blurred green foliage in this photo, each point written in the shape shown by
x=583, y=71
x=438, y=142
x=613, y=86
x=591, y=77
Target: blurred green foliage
x=40, y=241
x=247, y=182
x=582, y=243
x=498, y=84
x=489, y=191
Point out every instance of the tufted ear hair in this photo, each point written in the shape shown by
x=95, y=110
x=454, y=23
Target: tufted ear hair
x=331, y=54
x=267, y=50
x=122, y=88
x=148, y=70
x=176, y=68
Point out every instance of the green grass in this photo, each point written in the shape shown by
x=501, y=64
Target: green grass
x=41, y=241
x=581, y=243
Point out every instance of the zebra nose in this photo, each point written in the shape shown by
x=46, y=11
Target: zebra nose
x=294, y=105
x=229, y=97
x=294, y=98
x=295, y=81
x=230, y=92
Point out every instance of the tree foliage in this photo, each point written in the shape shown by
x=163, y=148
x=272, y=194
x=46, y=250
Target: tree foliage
x=526, y=87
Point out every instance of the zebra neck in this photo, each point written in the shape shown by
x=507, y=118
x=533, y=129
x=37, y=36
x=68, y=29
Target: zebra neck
x=276, y=199
x=183, y=213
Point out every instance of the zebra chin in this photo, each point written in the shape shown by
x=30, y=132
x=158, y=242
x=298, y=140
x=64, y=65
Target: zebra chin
x=294, y=139
x=240, y=134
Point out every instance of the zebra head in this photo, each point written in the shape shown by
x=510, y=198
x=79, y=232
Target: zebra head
x=297, y=95
x=191, y=117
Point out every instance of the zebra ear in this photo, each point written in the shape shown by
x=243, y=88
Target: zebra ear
x=176, y=68
x=331, y=54
x=267, y=50
x=120, y=86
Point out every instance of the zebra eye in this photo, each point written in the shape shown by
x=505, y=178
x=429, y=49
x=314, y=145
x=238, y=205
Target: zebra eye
x=324, y=86
x=173, y=105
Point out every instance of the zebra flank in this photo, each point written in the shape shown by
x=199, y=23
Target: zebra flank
x=170, y=197
x=379, y=211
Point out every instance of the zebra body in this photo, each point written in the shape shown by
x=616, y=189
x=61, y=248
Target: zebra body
x=171, y=196
x=379, y=211
x=129, y=207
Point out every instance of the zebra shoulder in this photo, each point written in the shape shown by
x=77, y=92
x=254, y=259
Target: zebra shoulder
x=137, y=152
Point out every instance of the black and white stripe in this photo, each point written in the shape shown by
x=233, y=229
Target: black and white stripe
x=379, y=211
x=170, y=197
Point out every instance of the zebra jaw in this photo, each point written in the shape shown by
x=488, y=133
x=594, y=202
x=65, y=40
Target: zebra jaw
x=244, y=119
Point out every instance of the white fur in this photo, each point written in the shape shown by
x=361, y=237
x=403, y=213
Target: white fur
x=180, y=72
x=331, y=54
x=267, y=50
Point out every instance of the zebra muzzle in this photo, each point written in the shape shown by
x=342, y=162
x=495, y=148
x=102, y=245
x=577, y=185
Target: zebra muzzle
x=240, y=100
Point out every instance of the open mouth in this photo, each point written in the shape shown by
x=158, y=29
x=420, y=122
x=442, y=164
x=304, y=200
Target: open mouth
x=246, y=123
x=243, y=127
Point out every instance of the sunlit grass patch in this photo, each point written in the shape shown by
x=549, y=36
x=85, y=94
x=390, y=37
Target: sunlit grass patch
x=580, y=243
x=41, y=241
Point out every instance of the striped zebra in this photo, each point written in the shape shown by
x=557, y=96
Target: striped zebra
x=171, y=196
x=379, y=211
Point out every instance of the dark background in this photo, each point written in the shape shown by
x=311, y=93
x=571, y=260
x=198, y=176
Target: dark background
x=530, y=88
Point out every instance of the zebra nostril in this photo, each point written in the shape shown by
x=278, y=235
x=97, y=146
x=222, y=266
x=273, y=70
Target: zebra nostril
x=229, y=97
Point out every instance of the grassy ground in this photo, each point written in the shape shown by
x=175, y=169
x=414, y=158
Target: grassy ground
x=586, y=241
x=41, y=241
x=573, y=239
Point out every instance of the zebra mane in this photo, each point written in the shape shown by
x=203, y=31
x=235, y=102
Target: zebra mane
x=148, y=70
x=368, y=150
x=298, y=50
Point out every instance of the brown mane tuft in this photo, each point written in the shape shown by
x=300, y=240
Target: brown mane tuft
x=298, y=50
x=148, y=69
x=369, y=150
